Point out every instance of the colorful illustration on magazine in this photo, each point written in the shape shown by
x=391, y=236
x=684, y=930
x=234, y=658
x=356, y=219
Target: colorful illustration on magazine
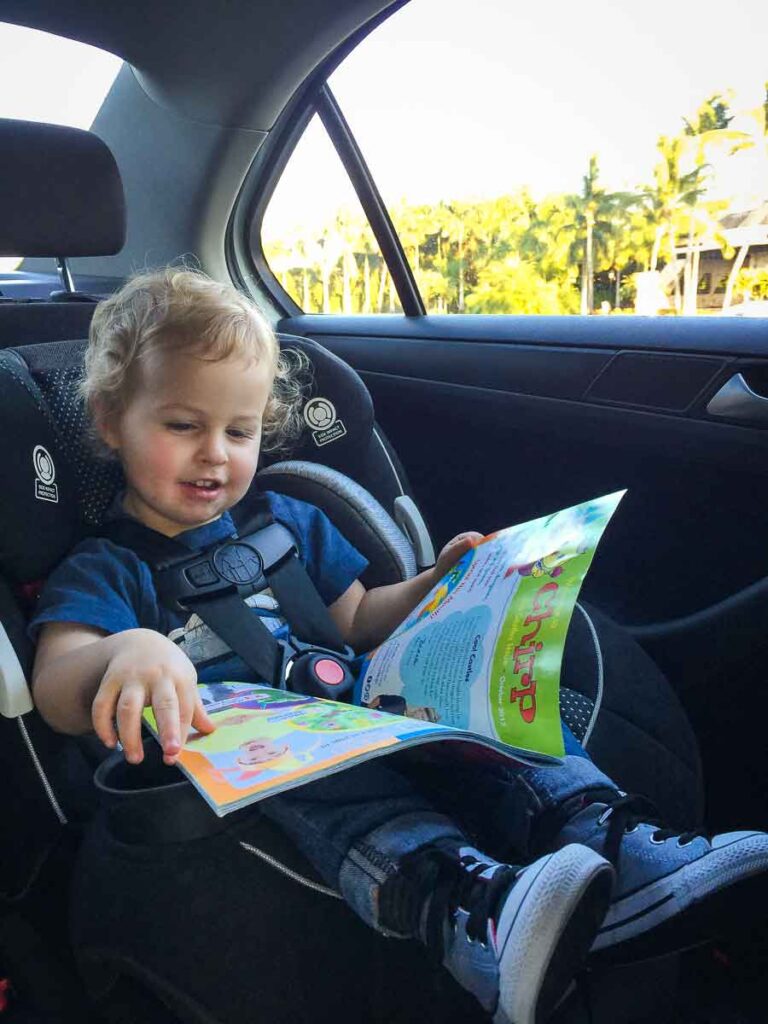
x=324, y=716
x=551, y=565
x=395, y=704
x=249, y=695
x=447, y=586
x=253, y=757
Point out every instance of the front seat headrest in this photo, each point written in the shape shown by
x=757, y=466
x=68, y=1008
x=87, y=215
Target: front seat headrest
x=61, y=192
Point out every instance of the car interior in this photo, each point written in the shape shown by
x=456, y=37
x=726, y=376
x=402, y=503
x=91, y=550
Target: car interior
x=451, y=422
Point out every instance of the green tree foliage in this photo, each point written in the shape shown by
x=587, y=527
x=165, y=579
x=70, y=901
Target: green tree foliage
x=705, y=135
x=597, y=218
x=519, y=254
x=752, y=284
x=712, y=116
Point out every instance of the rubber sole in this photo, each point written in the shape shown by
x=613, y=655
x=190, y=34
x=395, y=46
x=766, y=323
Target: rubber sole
x=546, y=936
x=705, y=899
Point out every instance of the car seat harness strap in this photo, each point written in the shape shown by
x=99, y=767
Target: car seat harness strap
x=215, y=582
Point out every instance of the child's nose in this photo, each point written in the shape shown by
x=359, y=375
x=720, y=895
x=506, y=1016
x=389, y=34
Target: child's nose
x=214, y=449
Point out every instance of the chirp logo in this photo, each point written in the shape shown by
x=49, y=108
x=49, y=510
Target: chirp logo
x=320, y=417
x=45, y=471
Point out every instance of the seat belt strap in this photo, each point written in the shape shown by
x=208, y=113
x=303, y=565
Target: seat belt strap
x=244, y=632
x=300, y=603
x=188, y=579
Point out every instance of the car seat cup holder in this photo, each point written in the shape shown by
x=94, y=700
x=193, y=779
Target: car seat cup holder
x=153, y=803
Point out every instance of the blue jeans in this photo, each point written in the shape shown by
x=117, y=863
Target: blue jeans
x=356, y=826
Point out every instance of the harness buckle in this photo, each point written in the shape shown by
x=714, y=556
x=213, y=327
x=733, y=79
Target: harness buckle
x=318, y=671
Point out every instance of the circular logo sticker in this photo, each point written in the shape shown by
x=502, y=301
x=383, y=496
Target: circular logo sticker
x=43, y=463
x=319, y=413
x=238, y=563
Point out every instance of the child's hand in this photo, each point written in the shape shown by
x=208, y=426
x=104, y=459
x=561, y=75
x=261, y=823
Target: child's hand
x=148, y=670
x=453, y=551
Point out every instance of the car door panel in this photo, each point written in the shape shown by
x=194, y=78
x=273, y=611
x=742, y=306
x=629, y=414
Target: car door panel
x=494, y=429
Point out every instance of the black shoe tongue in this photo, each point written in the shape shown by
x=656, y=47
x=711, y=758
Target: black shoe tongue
x=570, y=807
x=599, y=795
x=550, y=823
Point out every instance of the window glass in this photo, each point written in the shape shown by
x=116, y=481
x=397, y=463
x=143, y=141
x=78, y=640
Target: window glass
x=316, y=238
x=48, y=78
x=564, y=159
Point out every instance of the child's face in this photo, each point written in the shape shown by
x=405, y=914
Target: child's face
x=258, y=751
x=189, y=438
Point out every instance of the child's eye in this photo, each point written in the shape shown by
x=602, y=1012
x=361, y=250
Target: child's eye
x=240, y=435
x=179, y=427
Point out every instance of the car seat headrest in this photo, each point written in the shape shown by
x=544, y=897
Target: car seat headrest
x=55, y=486
x=62, y=194
x=353, y=510
x=337, y=411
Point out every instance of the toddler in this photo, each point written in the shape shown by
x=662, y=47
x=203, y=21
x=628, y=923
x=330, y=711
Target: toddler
x=183, y=381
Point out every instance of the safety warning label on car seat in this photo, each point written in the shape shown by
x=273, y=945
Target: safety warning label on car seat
x=45, y=488
x=320, y=417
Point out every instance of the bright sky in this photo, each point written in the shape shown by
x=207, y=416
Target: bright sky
x=450, y=99
x=47, y=78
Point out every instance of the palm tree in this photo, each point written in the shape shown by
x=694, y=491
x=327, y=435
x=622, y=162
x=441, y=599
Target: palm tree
x=754, y=218
x=707, y=132
x=670, y=191
x=545, y=239
x=453, y=236
x=594, y=220
x=759, y=117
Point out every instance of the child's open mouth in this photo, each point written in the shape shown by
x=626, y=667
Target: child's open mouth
x=202, y=488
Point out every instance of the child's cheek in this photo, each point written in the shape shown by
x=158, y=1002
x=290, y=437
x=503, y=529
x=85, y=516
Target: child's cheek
x=163, y=459
x=243, y=466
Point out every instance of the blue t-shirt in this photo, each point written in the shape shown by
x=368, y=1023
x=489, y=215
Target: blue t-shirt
x=105, y=585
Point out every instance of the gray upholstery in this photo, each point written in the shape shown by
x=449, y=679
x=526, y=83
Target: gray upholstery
x=61, y=192
x=353, y=510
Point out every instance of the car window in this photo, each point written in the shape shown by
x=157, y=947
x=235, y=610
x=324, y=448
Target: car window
x=316, y=239
x=47, y=78
x=567, y=162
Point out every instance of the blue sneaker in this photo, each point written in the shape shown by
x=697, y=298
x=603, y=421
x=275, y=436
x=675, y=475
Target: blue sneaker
x=672, y=891
x=512, y=937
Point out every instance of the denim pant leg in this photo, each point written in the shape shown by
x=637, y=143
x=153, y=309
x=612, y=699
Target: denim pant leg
x=356, y=825
x=550, y=785
x=498, y=806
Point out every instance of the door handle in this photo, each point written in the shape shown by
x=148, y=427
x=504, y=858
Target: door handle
x=737, y=401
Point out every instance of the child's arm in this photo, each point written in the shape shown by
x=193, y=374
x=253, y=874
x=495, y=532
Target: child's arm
x=367, y=617
x=84, y=679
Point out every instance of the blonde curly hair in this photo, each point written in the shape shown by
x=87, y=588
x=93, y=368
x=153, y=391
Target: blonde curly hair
x=177, y=308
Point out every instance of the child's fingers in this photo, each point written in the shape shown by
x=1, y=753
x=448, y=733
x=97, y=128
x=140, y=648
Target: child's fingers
x=165, y=704
x=192, y=713
x=103, y=716
x=186, y=711
x=130, y=706
x=200, y=718
x=466, y=540
x=455, y=548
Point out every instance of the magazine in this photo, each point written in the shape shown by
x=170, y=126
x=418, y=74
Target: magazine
x=477, y=663
x=483, y=651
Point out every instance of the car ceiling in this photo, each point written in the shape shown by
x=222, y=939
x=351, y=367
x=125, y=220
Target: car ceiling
x=202, y=86
x=233, y=63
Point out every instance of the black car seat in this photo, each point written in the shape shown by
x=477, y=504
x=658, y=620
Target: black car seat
x=54, y=490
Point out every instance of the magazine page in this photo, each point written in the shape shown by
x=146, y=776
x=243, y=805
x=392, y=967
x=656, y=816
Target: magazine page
x=483, y=651
x=267, y=741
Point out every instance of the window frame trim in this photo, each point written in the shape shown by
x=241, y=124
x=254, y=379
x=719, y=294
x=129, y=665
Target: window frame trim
x=373, y=205
x=246, y=261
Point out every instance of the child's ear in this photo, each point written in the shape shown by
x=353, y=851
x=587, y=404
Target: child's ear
x=104, y=424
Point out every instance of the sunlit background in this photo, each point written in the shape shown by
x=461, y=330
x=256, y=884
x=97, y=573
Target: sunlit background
x=495, y=131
